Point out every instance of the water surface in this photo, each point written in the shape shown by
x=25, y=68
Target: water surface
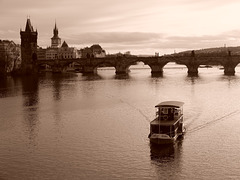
x=70, y=126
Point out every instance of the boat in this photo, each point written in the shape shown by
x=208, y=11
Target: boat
x=168, y=124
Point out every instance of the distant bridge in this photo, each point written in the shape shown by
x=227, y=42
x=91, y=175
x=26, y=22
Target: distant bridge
x=121, y=64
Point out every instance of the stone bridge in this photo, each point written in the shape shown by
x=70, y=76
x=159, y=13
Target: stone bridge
x=121, y=64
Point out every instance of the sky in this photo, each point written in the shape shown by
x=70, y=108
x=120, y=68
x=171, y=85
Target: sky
x=138, y=26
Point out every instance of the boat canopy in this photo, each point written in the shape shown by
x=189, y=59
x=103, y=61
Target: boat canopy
x=170, y=104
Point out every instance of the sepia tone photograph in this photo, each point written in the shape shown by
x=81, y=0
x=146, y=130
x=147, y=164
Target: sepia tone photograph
x=115, y=90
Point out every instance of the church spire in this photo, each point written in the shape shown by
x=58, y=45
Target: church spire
x=55, y=25
x=55, y=31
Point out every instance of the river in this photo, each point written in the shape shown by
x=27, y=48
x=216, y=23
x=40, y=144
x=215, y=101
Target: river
x=70, y=126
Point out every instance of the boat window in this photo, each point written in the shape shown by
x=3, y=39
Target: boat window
x=177, y=111
x=164, y=111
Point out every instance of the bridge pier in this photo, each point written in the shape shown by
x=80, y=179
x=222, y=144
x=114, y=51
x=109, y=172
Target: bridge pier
x=193, y=65
x=192, y=70
x=229, y=70
x=122, y=72
x=229, y=66
x=122, y=69
x=156, y=69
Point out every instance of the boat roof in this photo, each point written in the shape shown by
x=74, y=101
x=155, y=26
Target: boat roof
x=170, y=103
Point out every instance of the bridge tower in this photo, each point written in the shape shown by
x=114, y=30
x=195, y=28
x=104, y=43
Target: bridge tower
x=28, y=48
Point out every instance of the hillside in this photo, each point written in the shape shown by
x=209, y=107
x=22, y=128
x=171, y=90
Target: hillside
x=211, y=51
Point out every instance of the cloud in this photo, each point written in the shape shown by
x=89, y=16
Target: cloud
x=114, y=37
x=139, y=26
x=148, y=43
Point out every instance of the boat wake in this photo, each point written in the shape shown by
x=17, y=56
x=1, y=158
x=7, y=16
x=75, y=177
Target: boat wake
x=133, y=107
x=212, y=122
x=137, y=109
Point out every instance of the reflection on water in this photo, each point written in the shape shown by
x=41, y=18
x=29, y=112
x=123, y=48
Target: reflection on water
x=30, y=91
x=192, y=79
x=122, y=76
x=9, y=86
x=30, y=104
x=167, y=160
x=57, y=87
x=91, y=77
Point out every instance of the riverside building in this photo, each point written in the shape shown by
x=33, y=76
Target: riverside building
x=56, y=50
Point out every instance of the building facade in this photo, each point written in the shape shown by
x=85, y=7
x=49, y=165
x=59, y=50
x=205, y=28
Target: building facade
x=51, y=53
x=94, y=51
x=63, y=51
x=58, y=51
x=41, y=53
x=10, y=57
x=66, y=52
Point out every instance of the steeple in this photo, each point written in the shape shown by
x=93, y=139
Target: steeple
x=56, y=41
x=55, y=31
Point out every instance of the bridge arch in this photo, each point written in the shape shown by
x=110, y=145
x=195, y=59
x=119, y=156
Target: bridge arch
x=72, y=65
x=104, y=64
x=123, y=65
x=135, y=62
x=92, y=67
x=44, y=66
x=153, y=64
x=174, y=65
x=138, y=65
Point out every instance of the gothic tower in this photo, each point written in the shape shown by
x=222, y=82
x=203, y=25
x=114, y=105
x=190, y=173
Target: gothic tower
x=28, y=48
x=56, y=41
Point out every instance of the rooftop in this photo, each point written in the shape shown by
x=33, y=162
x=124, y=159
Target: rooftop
x=170, y=104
